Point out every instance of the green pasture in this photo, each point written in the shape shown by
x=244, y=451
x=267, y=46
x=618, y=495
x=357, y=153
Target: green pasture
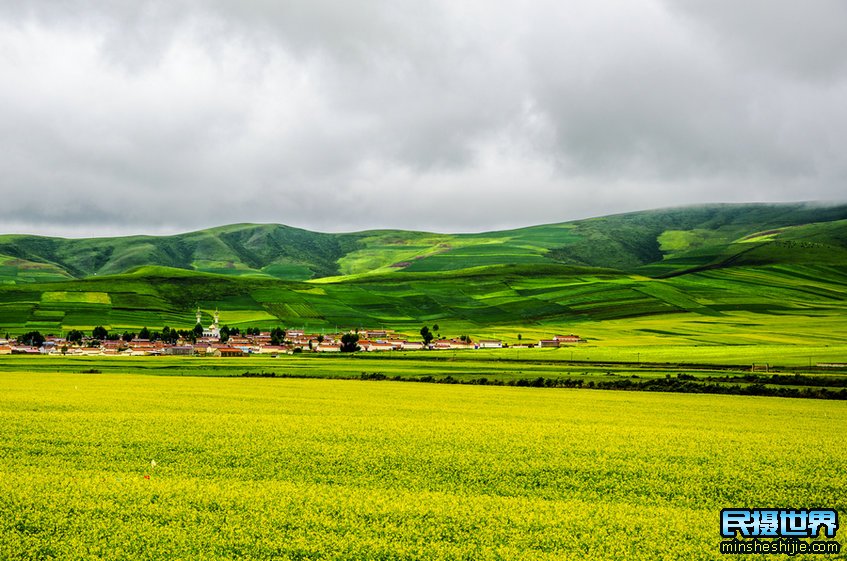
x=144, y=467
x=507, y=366
x=770, y=275
x=658, y=242
x=773, y=305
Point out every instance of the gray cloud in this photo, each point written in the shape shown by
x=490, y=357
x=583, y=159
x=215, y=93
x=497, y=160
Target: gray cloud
x=167, y=116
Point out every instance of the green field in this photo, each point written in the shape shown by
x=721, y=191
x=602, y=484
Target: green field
x=726, y=277
x=625, y=368
x=314, y=469
x=771, y=305
x=664, y=241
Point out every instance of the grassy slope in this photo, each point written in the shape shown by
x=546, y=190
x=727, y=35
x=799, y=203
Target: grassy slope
x=693, y=236
x=735, y=277
x=773, y=304
x=261, y=250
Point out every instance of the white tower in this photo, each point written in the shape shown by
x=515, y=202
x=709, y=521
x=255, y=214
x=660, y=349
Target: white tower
x=213, y=330
x=199, y=315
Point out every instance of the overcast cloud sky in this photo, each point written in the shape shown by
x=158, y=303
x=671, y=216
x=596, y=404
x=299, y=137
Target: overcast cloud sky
x=167, y=116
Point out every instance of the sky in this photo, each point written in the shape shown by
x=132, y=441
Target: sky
x=156, y=117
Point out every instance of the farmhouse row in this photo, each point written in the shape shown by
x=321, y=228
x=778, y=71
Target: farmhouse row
x=261, y=343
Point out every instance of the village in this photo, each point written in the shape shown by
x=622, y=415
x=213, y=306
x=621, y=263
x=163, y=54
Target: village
x=222, y=341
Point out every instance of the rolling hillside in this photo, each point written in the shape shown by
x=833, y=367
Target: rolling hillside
x=769, y=303
x=728, y=274
x=693, y=236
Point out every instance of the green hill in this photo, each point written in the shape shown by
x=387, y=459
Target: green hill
x=267, y=250
x=669, y=239
x=765, y=303
x=726, y=273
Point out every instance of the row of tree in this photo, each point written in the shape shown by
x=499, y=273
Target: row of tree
x=166, y=335
x=349, y=341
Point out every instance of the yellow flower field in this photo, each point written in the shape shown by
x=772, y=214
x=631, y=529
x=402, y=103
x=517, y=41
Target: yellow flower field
x=156, y=467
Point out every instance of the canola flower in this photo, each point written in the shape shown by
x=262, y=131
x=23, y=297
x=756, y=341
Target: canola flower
x=327, y=469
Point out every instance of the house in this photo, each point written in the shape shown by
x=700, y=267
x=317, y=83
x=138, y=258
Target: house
x=328, y=348
x=227, y=352
x=490, y=344
x=272, y=349
x=548, y=343
x=184, y=350
x=375, y=333
x=26, y=350
x=412, y=346
x=5, y=350
x=378, y=346
x=568, y=339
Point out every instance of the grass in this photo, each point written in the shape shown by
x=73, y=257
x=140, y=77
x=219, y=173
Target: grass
x=734, y=275
x=774, y=305
x=576, y=367
x=292, y=469
x=665, y=241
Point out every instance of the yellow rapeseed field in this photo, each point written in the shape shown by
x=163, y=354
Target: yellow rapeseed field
x=153, y=467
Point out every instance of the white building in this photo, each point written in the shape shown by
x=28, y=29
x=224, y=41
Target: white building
x=214, y=330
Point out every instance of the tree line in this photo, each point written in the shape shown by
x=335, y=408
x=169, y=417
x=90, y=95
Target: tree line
x=166, y=335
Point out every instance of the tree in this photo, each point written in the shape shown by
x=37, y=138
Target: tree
x=75, y=336
x=198, y=330
x=427, y=335
x=320, y=338
x=144, y=333
x=169, y=335
x=277, y=336
x=349, y=342
x=520, y=336
x=187, y=335
x=224, y=333
x=100, y=332
x=127, y=337
x=32, y=338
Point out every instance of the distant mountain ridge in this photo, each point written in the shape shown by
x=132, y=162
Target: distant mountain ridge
x=656, y=242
